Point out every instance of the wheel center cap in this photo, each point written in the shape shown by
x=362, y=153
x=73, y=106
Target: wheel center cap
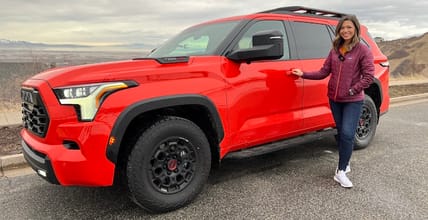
x=172, y=165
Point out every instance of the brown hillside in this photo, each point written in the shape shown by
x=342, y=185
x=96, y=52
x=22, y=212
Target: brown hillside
x=408, y=58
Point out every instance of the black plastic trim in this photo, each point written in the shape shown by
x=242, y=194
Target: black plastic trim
x=305, y=11
x=167, y=60
x=379, y=84
x=130, y=113
x=35, y=117
x=39, y=161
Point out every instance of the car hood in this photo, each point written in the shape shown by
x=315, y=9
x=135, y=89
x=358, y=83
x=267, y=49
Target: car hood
x=110, y=71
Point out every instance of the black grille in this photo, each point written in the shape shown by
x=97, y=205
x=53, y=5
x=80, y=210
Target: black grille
x=34, y=115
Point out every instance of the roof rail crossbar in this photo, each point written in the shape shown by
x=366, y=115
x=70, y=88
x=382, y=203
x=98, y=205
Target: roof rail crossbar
x=305, y=10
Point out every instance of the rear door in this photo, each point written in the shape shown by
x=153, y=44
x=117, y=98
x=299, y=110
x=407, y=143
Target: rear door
x=313, y=43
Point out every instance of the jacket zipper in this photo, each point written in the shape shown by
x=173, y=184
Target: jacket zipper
x=338, y=80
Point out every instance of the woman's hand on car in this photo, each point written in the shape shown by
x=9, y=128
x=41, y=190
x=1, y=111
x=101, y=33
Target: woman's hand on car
x=297, y=72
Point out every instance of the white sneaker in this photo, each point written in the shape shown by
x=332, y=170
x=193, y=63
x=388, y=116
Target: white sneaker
x=341, y=178
x=347, y=170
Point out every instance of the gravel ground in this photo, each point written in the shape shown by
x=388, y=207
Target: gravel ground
x=10, y=141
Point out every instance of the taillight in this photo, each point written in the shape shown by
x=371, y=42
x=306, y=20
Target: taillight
x=384, y=64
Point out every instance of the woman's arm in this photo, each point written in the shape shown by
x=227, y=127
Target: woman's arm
x=320, y=74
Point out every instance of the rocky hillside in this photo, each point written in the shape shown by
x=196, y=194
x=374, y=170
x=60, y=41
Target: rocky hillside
x=408, y=58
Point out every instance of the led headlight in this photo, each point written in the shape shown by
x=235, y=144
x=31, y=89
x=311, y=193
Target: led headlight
x=88, y=98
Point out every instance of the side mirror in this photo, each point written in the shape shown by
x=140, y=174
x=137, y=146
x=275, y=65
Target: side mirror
x=267, y=45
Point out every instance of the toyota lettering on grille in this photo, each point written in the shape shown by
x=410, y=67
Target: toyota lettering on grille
x=27, y=96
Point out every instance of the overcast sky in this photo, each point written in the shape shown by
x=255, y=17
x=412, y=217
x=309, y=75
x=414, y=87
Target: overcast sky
x=101, y=22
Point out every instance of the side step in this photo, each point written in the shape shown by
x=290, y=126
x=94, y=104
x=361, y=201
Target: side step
x=280, y=145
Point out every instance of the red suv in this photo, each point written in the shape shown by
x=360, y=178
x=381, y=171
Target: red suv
x=158, y=124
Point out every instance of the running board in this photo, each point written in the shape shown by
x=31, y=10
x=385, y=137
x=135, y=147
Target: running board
x=280, y=145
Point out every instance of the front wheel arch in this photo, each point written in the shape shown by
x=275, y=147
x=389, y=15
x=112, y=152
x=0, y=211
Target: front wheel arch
x=131, y=113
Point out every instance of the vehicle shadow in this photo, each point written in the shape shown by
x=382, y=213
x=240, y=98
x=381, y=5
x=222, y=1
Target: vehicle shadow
x=323, y=148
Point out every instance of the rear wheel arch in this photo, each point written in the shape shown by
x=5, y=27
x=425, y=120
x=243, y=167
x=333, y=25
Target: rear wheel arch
x=370, y=114
x=375, y=93
x=367, y=124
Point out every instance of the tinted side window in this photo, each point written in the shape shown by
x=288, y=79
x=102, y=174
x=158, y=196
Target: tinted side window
x=312, y=40
x=245, y=41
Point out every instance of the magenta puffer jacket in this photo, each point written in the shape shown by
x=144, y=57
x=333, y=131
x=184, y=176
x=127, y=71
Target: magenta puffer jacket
x=354, y=73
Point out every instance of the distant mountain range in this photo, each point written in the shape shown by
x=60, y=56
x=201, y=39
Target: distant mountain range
x=4, y=43
x=407, y=57
x=12, y=44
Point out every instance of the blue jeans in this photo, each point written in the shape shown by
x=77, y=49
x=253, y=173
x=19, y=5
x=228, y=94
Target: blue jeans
x=346, y=115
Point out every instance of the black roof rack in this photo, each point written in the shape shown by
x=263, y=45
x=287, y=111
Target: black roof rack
x=306, y=11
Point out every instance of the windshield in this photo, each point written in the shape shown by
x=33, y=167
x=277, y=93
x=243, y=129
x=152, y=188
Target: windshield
x=197, y=40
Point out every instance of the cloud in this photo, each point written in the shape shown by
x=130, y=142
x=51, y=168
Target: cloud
x=143, y=21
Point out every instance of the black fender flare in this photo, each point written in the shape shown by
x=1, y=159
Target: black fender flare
x=375, y=87
x=133, y=111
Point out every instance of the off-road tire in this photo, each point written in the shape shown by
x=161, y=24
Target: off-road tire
x=169, y=165
x=367, y=124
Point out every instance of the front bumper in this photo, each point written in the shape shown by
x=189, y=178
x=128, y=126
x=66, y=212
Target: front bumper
x=40, y=163
x=71, y=167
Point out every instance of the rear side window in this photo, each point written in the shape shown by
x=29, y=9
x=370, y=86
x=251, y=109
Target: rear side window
x=312, y=40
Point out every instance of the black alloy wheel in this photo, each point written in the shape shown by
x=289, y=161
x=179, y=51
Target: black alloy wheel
x=172, y=165
x=168, y=165
x=367, y=124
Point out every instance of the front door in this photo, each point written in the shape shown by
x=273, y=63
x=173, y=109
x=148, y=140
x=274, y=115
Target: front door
x=265, y=102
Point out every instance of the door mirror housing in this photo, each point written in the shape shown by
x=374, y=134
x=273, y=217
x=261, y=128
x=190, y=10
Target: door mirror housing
x=267, y=45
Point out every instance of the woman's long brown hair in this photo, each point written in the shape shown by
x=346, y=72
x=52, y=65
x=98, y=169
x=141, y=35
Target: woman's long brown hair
x=338, y=41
